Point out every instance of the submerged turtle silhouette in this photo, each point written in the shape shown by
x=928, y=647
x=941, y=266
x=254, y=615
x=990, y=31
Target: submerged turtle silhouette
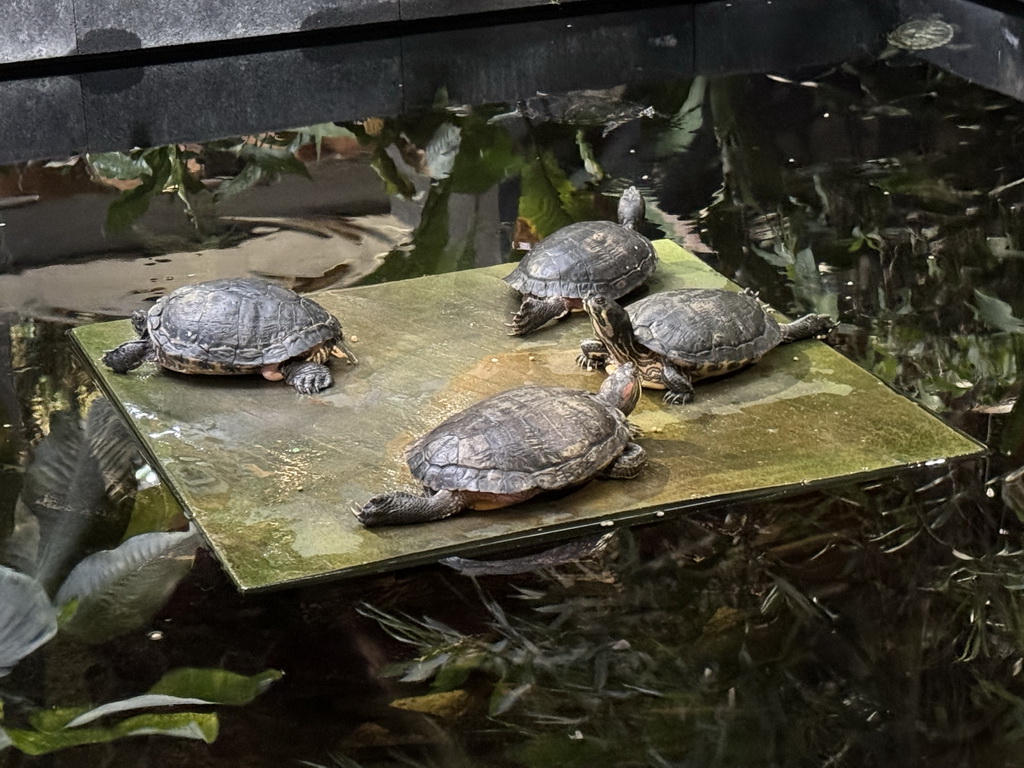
x=236, y=326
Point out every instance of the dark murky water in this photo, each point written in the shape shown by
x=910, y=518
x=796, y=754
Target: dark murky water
x=876, y=624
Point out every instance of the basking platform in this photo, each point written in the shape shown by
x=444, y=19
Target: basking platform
x=271, y=476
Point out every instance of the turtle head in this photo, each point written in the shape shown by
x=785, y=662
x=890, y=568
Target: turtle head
x=622, y=389
x=632, y=208
x=610, y=321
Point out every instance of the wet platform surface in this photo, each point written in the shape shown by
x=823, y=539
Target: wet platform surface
x=271, y=476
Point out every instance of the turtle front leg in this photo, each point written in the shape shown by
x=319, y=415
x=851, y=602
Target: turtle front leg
x=534, y=312
x=400, y=508
x=628, y=464
x=593, y=355
x=307, y=377
x=806, y=327
x=129, y=355
x=679, y=388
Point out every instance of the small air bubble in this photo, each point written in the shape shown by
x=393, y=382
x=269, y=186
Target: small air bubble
x=156, y=634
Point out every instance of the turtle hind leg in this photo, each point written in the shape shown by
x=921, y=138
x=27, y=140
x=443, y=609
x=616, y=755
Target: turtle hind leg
x=307, y=377
x=129, y=355
x=679, y=388
x=806, y=327
x=628, y=464
x=534, y=312
x=400, y=508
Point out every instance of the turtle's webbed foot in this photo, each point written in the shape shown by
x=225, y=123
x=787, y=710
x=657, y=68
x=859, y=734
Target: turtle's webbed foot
x=401, y=508
x=807, y=327
x=307, y=377
x=628, y=464
x=128, y=356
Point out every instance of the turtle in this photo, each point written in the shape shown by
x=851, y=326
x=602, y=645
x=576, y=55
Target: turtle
x=236, y=326
x=589, y=257
x=674, y=337
x=513, y=445
x=921, y=34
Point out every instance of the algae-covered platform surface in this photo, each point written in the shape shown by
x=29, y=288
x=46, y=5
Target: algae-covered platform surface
x=272, y=476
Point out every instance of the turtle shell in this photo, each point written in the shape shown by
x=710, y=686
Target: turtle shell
x=591, y=257
x=236, y=325
x=705, y=330
x=525, y=439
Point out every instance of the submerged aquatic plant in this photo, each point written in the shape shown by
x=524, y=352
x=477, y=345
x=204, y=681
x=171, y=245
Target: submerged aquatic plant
x=765, y=634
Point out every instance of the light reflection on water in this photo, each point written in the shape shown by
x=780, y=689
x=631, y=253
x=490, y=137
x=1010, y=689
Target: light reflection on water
x=873, y=624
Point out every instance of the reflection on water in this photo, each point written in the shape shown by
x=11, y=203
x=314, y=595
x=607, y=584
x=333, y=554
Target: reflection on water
x=875, y=624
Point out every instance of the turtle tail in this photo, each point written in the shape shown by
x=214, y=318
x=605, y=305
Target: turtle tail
x=129, y=355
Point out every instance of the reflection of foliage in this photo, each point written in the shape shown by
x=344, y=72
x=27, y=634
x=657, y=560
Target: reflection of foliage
x=179, y=169
x=770, y=638
x=912, y=246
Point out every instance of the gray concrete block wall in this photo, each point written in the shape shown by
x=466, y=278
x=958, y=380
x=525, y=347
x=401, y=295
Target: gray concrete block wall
x=213, y=98
x=37, y=29
x=113, y=25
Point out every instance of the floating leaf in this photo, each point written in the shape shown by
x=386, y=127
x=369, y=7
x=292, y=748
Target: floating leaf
x=185, y=725
x=182, y=687
x=146, y=701
x=27, y=619
x=216, y=686
x=445, y=704
x=120, y=589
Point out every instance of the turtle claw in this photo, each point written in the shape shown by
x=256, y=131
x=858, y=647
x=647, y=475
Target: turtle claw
x=591, y=363
x=678, y=398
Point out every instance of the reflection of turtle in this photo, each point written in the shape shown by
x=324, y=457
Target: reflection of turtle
x=514, y=445
x=691, y=333
x=236, y=325
x=590, y=257
x=921, y=34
